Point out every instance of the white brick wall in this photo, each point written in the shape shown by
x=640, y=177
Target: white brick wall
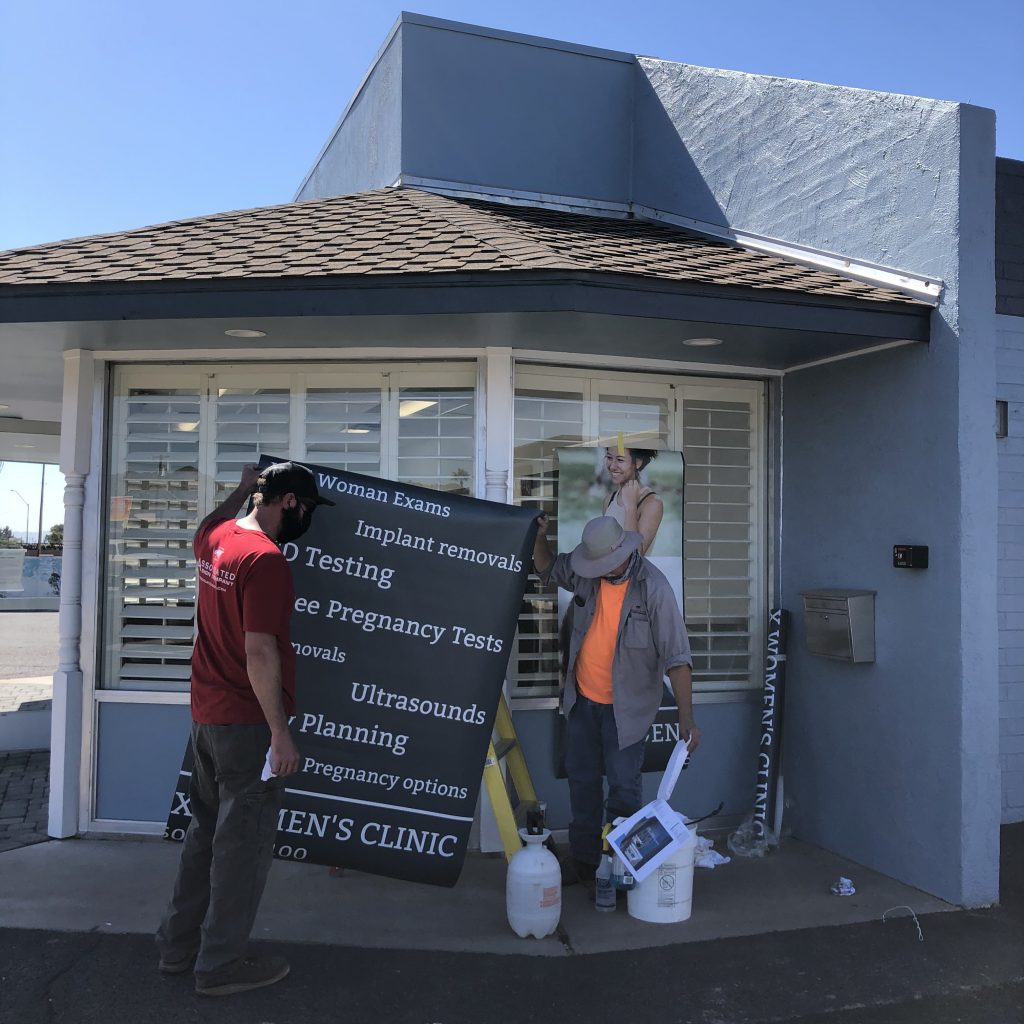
x=1010, y=388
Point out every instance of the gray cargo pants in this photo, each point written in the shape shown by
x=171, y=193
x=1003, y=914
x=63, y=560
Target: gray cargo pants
x=228, y=847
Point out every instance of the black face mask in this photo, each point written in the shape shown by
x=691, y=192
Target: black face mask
x=294, y=523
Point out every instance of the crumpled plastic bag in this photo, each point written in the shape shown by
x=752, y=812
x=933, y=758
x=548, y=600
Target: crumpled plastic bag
x=746, y=842
x=706, y=856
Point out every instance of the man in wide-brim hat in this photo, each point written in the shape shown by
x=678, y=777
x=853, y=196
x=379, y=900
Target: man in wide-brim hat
x=627, y=635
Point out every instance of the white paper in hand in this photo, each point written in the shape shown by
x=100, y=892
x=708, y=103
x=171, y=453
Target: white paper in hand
x=268, y=772
x=676, y=763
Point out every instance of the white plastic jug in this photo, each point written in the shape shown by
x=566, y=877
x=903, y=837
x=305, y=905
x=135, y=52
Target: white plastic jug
x=665, y=896
x=533, y=888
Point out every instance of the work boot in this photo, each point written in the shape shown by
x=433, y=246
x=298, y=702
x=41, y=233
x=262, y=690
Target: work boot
x=177, y=965
x=243, y=975
x=578, y=871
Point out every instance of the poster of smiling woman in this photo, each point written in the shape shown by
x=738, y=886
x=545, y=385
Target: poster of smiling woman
x=636, y=485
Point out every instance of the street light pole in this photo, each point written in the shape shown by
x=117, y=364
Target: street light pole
x=13, y=491
x=42, y=491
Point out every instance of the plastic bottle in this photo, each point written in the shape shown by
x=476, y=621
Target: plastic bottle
x=604, y=891
x=622, y=876
x=533, y=888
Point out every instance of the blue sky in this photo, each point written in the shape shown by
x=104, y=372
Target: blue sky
x=121, y=113
x=21, y=486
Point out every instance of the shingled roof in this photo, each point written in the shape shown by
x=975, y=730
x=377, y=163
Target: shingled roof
x=409, y=231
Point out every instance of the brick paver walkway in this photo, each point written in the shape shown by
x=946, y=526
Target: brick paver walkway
x=32, y=694
x=24, y=790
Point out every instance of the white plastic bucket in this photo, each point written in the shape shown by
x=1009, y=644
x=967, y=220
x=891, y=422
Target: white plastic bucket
x=665, y=896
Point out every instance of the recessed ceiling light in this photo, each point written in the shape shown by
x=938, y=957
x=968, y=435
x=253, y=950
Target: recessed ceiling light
x=244, y=333
x=24, y=446
x=2, y=406
x=702, y=342
x=411, y=406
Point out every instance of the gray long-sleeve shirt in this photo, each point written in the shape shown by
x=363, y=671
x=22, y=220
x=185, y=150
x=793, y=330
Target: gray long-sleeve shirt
x=651, y=640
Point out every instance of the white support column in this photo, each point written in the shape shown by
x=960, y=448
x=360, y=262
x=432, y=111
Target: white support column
x=66, y=727
x=498, y=413
x=498, y=406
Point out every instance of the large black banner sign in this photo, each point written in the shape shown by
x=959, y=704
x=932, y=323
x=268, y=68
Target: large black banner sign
x=405, y=612
x=773, y=691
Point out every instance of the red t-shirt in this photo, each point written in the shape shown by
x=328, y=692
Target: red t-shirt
x=243, y=585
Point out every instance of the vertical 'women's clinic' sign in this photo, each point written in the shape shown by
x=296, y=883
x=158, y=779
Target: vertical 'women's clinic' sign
x=406, y=603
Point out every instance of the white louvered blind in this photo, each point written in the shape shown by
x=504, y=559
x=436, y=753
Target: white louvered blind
x=179, y=438
x=343, y=428
x=544, y=422
x=247, y=420
x=436, y=438
x=719, y=565
x=153, y=512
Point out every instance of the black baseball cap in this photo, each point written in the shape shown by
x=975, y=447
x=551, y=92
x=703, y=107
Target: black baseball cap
x=289, y=477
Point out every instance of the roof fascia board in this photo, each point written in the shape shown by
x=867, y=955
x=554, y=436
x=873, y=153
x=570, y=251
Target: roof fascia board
x=541, y=42
x=419, y=295
x=351, y=103
x=925, y=289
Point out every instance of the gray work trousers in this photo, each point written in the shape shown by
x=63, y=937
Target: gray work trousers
x=228, y=847
x=592, y=755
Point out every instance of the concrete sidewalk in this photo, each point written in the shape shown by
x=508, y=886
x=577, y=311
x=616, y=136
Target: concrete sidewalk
x=76, y=948
x=129, y=881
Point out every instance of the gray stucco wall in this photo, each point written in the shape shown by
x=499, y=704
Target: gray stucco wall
x=498, y=112
x=457, y=104
x=365, y=151
x=894, y=763
x=845, y=170
x=1010, y=388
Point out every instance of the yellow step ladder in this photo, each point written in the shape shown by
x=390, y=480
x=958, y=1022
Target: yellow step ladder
x=505, y=747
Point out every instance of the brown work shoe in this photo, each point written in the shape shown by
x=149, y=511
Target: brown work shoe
x=243, y=975
x=574, y=871
x=177, y=965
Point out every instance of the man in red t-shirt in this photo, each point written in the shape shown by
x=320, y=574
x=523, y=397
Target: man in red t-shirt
x=243, y=691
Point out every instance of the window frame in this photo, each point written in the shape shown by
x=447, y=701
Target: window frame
x=206, y=378
x=591, y=384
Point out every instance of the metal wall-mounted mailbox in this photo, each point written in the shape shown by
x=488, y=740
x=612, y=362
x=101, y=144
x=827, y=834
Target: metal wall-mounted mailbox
x=840, y=623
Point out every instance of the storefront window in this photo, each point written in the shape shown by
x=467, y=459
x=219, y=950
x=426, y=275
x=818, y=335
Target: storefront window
x=179, y=438
x=716, y=426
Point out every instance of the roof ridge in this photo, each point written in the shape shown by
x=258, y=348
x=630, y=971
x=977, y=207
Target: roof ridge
x=477, y=223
